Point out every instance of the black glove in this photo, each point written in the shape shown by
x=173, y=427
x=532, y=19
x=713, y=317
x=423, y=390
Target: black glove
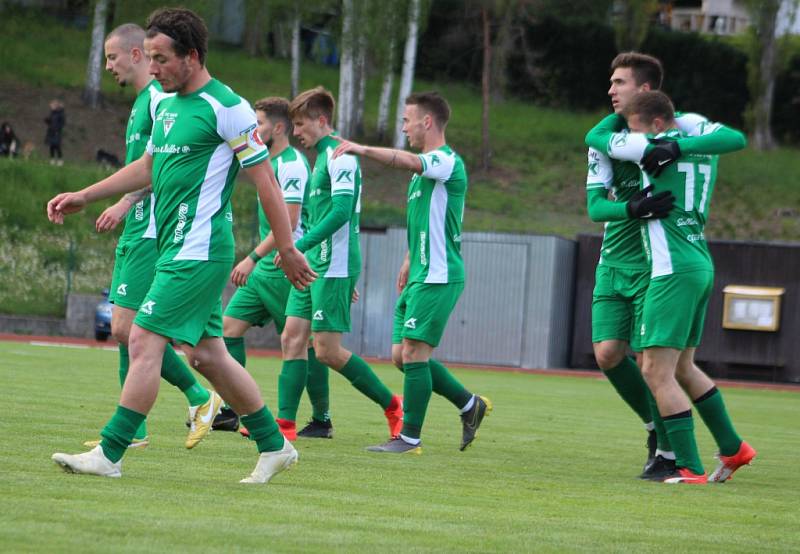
x=663, y=153
x=641, y=206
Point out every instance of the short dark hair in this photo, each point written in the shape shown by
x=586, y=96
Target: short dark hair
x=645, y=69
x=432, y=103
x=186, y=29
x=277, y=110
x=130, y=36
x=649, y=105
x=313, y=103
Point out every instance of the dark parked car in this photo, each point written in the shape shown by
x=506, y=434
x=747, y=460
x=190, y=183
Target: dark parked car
x=102, y=318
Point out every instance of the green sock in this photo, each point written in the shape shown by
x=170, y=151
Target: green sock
x=361, y=376
x=445, y=384
x=177, y=373
x=658, y=424
x=119, y=432
x=291, y=383
x=680, y=428
x=627, y=379
x=124, y=363
x=712, y=410
x=317, y=387
x=263, y=430
x=235, y=346
x=417, y=388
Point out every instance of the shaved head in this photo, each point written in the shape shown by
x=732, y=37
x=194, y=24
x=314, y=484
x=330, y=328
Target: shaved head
x=129, y=36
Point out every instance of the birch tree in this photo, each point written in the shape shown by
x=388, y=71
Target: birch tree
x=765, y=60
x=485, y=92
x=94, y=68
x=295, y=79
x=407, y=76
x=346, y=70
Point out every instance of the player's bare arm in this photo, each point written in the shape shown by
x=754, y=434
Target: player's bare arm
x=114, y=214
x=245, y=267
x=293, y=262
x=402, y=275
x=133, y=176
x=387, y=156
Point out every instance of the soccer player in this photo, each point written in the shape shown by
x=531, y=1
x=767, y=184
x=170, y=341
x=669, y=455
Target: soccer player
x=681, y=281
x=136, y=253
x=622, y=274
x=432, y=275
x=332, y=247
x=263, y=288
x=200, y=138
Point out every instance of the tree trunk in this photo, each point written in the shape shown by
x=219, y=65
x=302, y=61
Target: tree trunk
x=487, y=68
x=407, y=76
x=360, y=86
x=295, y=52
x=94, y=68
x=502, y=49
x=386, y=90
x=767, y=69
x=346, y=72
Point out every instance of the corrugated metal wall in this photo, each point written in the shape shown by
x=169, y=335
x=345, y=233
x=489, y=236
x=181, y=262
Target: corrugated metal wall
x=516, y=309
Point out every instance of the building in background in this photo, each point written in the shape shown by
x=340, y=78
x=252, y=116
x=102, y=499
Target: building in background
x=718, y=17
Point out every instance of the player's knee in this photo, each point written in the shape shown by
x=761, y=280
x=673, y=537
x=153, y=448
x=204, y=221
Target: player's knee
x=652, y=375
x=199, y=358
x=293, y=346
x=120, y=332
x=326, y=354
x=608, y=356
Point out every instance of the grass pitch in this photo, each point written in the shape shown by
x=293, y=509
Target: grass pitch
x=553, y=469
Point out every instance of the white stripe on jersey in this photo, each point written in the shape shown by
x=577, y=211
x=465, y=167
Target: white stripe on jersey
x=151, y=226
x=437, y=262
x=197, y=241
x=662, y=260
x=340, y=252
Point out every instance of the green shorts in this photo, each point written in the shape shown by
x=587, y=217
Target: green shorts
x=134, y=267
x=617, y=303
x=422, y=311
x=185, y=300
x=261, y=300
x=675, y=310
x=326, y=303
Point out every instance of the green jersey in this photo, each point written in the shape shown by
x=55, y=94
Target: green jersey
x=339, y=254
x=622, y=246
x=677, y=243
x=292, y=171
x=140, y=222
x=435, y=214
x=199, y=141
x=621, y=242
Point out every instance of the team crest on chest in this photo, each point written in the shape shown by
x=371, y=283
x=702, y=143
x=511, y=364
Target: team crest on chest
x=167, y=120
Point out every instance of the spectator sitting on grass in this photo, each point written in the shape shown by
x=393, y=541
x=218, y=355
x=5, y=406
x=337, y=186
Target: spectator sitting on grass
x=9, y=143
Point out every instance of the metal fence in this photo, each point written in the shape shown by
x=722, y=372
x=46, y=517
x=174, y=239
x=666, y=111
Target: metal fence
x=516, y=309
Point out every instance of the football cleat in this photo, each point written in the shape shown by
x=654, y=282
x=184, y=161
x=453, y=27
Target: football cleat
x=226, y=420
x=394, y=415
x=202, y=417
x=397, y=446
x=271, y=463
x=93, y=462
x=659, y=469
x=729, y=464
x=472, y=418
x=316, y=429
x=135, y=443
x=683, y=475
